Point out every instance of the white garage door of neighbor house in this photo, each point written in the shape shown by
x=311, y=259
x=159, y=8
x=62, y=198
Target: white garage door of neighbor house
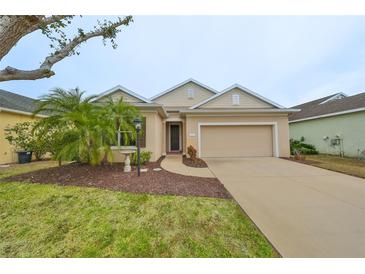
x=236, y=141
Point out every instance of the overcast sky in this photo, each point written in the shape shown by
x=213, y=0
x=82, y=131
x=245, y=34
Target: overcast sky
x=289, y=59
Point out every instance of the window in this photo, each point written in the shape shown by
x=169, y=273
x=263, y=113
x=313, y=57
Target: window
x=235, y=99
x=190, y=93
x=124, y=137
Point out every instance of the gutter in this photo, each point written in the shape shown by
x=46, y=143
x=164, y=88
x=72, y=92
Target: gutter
x=229, y=111
x=329, y=115
x=21, y=112
x=160, y=109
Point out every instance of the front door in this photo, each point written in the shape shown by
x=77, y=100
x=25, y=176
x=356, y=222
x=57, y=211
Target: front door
x=174, y=137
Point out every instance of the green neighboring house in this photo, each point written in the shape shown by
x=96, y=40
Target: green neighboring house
x=334, y=124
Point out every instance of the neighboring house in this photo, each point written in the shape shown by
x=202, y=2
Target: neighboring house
x=233, y=123
x=334, y=124
x=14, y=109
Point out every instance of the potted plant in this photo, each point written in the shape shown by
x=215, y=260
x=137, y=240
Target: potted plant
x=20, y=137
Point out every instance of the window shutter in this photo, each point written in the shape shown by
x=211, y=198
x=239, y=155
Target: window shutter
x=142, y=136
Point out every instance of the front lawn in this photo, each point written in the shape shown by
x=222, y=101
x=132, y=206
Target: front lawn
x=350, y=166
x=55, y=221
x=46, y=220
x=15, y=169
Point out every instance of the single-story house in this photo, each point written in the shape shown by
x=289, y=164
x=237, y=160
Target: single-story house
x=14, y=109
x=335, y=124
x=235, y=122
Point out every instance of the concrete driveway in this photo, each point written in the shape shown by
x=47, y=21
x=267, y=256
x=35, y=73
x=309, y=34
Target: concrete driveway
x=303, y=210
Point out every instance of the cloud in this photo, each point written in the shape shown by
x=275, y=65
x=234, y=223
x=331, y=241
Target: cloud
x=288, y=59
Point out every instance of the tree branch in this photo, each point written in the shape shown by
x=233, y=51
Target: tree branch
x=13, y=28
x=44, y=71
x=10, y=73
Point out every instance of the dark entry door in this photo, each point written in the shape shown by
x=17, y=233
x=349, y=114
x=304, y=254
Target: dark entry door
x=174, y=137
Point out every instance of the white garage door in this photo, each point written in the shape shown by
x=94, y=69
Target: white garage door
x=236, y=141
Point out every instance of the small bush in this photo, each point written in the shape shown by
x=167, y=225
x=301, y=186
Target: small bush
x=145, y=157
x=20, y=136
x=24, y=138
x=192, y=152
x=302, y=148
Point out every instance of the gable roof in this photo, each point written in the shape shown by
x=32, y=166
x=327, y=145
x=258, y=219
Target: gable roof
x=339, y=95
x=181, y=84
x=324, y=107
x=10, y=101
x=242, y=89
x=124, y=89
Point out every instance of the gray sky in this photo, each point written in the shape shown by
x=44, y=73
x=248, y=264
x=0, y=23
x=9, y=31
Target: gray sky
x=288, y=59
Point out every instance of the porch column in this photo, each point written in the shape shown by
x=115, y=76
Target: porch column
x=183, y=135
x=163, y=137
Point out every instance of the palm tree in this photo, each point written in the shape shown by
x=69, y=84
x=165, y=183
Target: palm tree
x=84, y=131
x=120, y=115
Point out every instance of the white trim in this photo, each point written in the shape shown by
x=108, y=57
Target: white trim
x=124, y=89
x=181, y=84
x=174, y=119
x=180, y=136
x=22, y=112
x=329, y=115
x=273, y=124
x=334, y=97
x=242, y=89
x=239, y=110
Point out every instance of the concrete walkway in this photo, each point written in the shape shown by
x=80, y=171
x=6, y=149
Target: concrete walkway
x=304, y=211
x=173, y=163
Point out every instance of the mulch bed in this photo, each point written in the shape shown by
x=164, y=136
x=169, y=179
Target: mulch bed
x=112, y=177
x=198, y=163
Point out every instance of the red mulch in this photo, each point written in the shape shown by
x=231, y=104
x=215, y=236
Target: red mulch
x=112, y=177
x=198, y=163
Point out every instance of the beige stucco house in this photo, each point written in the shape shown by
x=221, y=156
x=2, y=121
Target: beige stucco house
x=14, y=108
x=235, y=122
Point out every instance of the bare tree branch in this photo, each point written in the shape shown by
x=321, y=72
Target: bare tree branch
x=10, y=73
x=107, y=31
x=13, y=28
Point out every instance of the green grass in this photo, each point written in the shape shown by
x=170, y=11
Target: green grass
x=56, y=221
x=15, y=169
x=350, y=166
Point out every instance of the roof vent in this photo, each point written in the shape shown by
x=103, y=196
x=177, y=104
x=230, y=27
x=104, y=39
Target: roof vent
x=190, y=93
x=235, y=99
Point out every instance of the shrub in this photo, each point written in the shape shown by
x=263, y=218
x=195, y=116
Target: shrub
x=24, y=138
x=192, y=152
x=20, y=136
x=302, y=148
x=145, y=157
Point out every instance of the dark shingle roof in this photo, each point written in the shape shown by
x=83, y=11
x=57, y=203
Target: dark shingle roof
x=17, y=102
x=315, y=108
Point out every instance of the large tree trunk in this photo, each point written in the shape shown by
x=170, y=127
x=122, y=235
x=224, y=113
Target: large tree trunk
x=13, y=28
